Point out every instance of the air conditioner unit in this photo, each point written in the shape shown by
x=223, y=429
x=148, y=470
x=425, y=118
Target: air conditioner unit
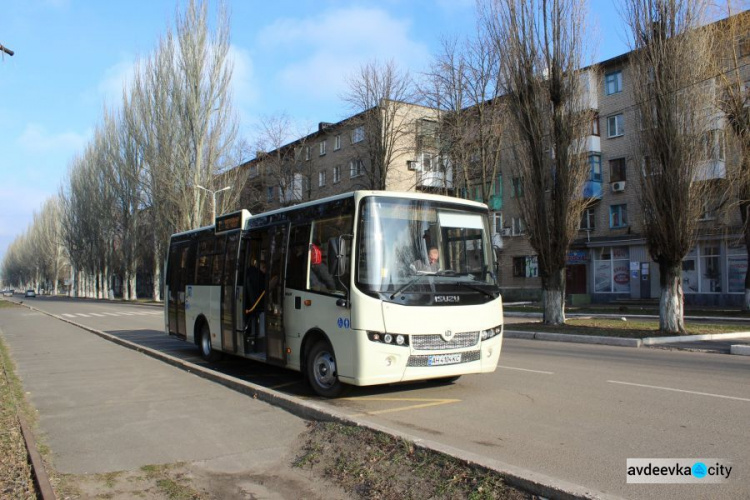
x=411, y=164
x=506, y=231
x=618, y=187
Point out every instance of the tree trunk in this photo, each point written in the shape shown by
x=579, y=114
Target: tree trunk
x=744, y=208
x=671, y=303
x=157, y=272
x=131, y=286
x=553, y=298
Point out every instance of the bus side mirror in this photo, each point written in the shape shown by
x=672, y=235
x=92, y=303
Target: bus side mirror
x=341, y=259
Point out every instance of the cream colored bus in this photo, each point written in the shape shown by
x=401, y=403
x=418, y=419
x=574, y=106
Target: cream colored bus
x=364, y=288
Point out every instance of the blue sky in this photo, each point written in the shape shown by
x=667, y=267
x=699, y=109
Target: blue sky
x=72, y=58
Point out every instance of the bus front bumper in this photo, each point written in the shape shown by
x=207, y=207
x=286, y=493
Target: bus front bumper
x=388, y=364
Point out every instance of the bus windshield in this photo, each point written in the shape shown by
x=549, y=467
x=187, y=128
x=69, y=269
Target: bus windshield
x=423, y=247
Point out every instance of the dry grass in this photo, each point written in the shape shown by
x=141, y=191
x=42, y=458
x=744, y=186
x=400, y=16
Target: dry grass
x=16, y=479
x=373, y=465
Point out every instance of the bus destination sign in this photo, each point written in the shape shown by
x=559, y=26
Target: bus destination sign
x=230, y=222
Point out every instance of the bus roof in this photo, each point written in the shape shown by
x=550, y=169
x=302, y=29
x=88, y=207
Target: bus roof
x=357, y=195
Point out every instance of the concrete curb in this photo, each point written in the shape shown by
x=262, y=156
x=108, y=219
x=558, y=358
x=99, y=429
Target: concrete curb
x=533, y=482
x=578, y=339
x=512, y=314
x=740, y=350
x=693, y=338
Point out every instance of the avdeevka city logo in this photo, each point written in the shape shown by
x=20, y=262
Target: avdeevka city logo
x=678, y=470
x=699, y=470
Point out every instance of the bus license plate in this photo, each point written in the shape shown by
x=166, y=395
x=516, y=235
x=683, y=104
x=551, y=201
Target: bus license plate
x=443, y=359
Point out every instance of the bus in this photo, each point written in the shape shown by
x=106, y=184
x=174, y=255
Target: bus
x=363, y=288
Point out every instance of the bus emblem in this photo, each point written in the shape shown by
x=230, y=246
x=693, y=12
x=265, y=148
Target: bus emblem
x=447, y=336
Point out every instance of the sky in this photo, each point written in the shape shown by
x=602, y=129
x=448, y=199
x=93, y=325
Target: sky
x=73, y=57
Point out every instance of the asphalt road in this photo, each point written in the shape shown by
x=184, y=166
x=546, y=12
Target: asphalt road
x=570, y=411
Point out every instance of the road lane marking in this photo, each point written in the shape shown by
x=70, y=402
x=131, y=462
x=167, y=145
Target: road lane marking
x=69, y=315
x=97, y=315
x=428, y=403
x=679, y=390
x=83, y=315
x=112, y=314
x=525, y=370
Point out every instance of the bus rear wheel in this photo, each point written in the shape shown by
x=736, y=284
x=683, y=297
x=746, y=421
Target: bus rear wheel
x=321, y=371
x=207, y=350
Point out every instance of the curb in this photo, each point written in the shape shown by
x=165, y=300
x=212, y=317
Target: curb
x=693, y=338
x=578, y=339
x=740, y=350
x=536, y=315
x=530, y=481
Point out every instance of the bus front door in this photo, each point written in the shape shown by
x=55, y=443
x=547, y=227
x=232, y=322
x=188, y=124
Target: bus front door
x=276, y=252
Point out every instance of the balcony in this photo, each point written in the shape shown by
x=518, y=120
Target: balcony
x=592, y=189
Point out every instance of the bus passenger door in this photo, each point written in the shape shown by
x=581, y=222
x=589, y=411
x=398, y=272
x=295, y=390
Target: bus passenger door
x=228, y=282
x=275, y=335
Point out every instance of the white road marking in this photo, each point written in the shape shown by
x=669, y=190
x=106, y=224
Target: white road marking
x=97, y=315
x=679, y=390
x=83, y=315
x=112, y=314
x=525, y=370
x=69, y=315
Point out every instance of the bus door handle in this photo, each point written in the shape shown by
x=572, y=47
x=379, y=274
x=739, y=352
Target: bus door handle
x=298, y=302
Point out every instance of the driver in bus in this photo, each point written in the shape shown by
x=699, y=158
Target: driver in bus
x=433, y=262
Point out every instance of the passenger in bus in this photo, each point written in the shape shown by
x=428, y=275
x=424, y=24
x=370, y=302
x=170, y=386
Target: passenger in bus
x=255, y=300
x=320, y=277
x=433, y=262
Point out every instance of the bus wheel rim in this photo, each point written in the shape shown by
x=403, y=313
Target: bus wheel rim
x=206, y=342
x=325, y=370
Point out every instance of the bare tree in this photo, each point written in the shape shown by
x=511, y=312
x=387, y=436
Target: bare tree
x=380, y=94
x=734, y=101
x=463, y=85
x=541, y=44
x=671, y=65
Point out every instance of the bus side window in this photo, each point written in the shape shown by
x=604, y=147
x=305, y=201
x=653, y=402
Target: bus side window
x=296, y=275
x=325, y=238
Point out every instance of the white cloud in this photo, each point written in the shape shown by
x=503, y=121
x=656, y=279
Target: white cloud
x=244, y=86
x=115, y=79
x=334, y=44
x=36, y=139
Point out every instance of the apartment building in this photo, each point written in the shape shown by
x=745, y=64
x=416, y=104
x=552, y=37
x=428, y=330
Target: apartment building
x=345, y=156
x=609, y=259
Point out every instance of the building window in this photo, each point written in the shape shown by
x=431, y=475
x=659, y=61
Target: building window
x=616, y=125
x=595, y=125
x=516, y=188
x=254, y=171
x=426, y=162
x=617, y=170
x=322, y=148
x=307, y=153
x=736, y=266
x=702, y=271
x=517, y=226
x=358, y=134
x=321, y=178
x=269, y=194
x=497, y=225
x=713, y=145
x=525, y=267
x=356, y=168
x=588, y=219
x=336, y=174
x=596, y=168
x=618, y=216
x=337, y=143
x=613, y=82
x=611, y=270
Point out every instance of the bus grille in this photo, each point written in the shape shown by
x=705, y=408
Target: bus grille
x=466, y=357
x=436, y=343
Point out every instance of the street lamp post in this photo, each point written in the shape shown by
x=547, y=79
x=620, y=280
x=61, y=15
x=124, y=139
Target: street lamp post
x=213, y=193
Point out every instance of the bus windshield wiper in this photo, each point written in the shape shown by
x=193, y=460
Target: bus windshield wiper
x=410, y=283
x=478, y=289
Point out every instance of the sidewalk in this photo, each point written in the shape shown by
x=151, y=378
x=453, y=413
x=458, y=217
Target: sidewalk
x=103, y=408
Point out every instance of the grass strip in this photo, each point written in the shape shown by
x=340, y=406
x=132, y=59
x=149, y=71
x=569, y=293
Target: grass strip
x=373, y=465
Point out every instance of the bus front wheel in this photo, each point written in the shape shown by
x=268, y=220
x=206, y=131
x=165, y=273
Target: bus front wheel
x=321, y=371
x=207, y=350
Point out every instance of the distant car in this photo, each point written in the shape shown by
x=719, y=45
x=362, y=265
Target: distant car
x=30, y=293
x=7, y=293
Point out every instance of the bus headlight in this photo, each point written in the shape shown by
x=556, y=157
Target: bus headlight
x=387, y=338
x=492, y=332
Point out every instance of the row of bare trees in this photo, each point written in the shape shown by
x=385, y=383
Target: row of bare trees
x=137, y=180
